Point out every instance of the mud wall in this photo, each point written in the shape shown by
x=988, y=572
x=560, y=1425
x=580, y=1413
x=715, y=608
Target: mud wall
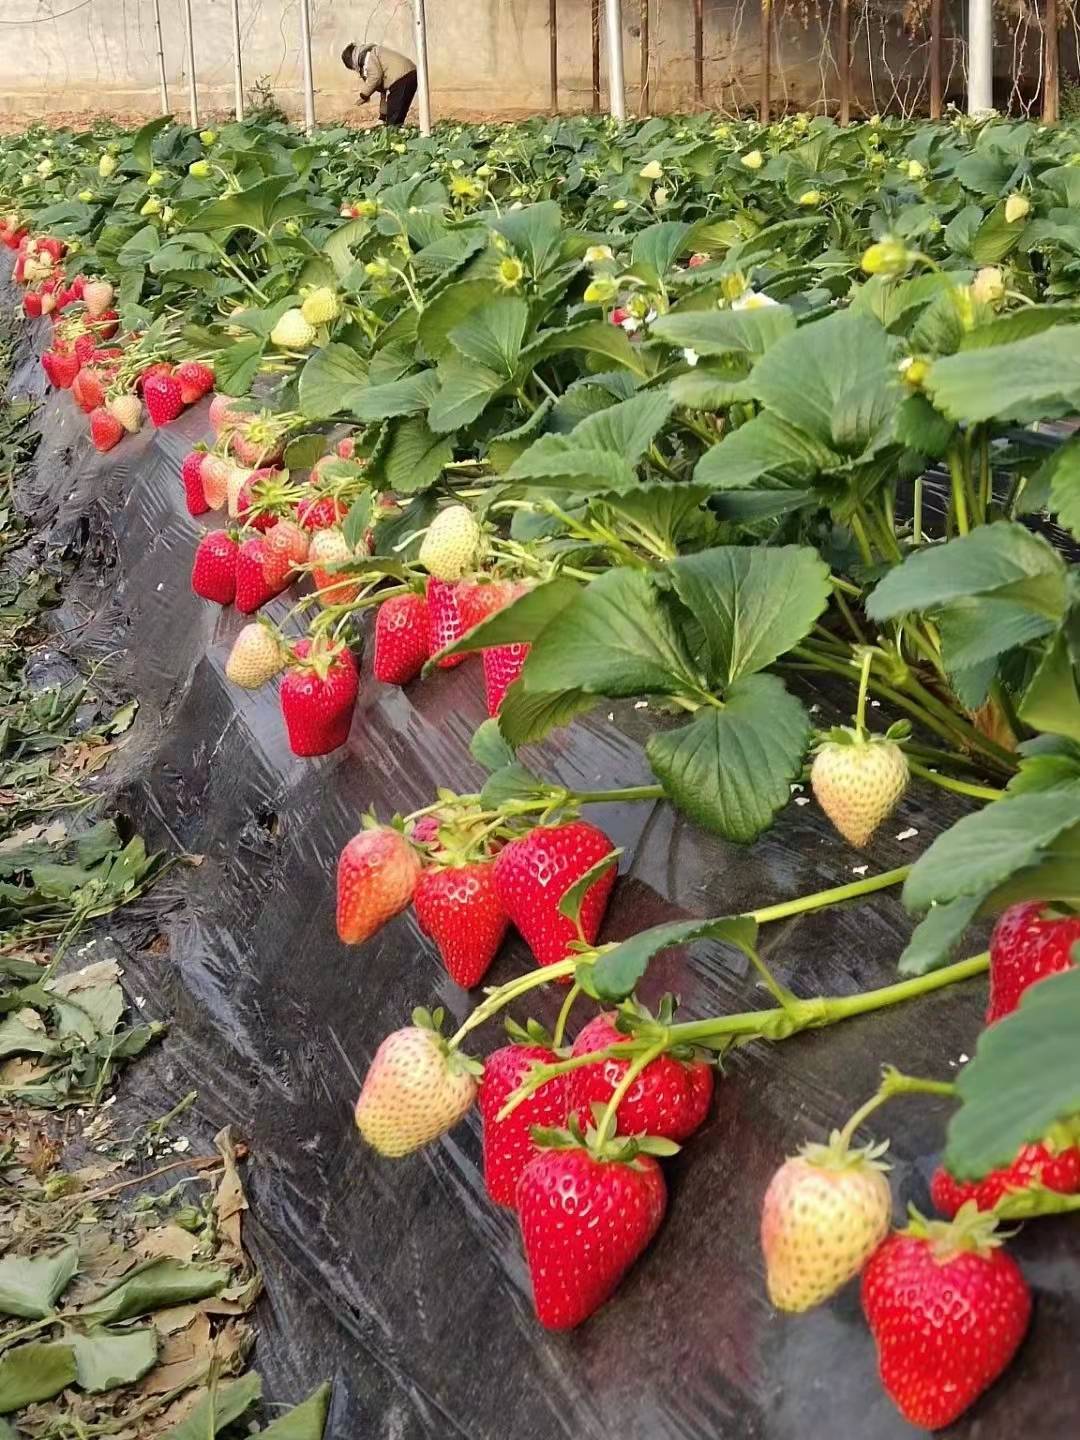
x=398, y=1280
x=484, y=54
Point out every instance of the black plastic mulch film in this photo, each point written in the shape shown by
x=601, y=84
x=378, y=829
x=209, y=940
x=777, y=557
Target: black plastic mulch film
x=397, y=1279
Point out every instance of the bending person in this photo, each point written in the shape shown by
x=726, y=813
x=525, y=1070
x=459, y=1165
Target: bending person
x=386, y=73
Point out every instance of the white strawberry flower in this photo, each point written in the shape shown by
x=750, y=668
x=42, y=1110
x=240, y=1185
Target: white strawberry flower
x=753, y=300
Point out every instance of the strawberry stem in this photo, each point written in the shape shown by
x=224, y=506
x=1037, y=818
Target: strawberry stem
x=606, y=1128
x=893, y=1083
x=509, y=992
x=822, y=898
x=864, y=683
x=958, y=787
x=564, y=1015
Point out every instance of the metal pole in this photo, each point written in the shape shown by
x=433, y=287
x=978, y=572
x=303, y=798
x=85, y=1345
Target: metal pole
x=766, y=59
x=305, y=58
x=699, y=50
x=937, y=41
x=980, y=56
x=553, y=54
x=1051, y=69
x=163, y=82
x=422, y=81
x=845, y=62
x=193, y=96
x=643, y=42
x=595, y=17
x=238, y=70
x=616, y=78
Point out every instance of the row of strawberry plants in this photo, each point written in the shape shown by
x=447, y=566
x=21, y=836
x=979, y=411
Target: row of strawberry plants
x=644, y=413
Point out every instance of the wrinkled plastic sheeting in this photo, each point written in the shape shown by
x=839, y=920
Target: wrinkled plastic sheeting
x=398, y=1279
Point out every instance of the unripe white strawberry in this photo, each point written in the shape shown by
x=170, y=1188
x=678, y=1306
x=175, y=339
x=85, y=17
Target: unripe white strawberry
x=97, y=297
x=293, y=332
x=329, y=547
x=128, y=410
x=225, y=413
x=238, y=478
x=859, y=782
x=215, y=477
x=256, y=657
x=416, y=1090
x=825, y=1213
x=451, y=547
x=1017, y=207
x=321, y=306
x=48, y=304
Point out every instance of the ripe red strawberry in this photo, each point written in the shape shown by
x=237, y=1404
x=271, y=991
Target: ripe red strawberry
x=416, y=1090
x=48, y=364
x=584, y=1221
x=195, y=380
x=31, y=304
x=1050, y=1167
x=160, y=367
x=252, y=586
x=213, y=575
x=64, y=369
x=457, y=905
x=948, y=1309
x=254, y=492
x=191, y=476
x=1024, y=948
x=402, y=639
x=477, y=600
x=377, y=875
x=317, y=698
x=87, y=390
x=346, y=448
x=85, y=348
x=502, y=666
x=532, y=875
x=320, y=512
x=286, y=548
x=106, y=326
x=508, y=1144
x=105, y=430
x=334, y=587
x=670, y=1097
x=162, y=398
x=51, y=245
x=444, y=619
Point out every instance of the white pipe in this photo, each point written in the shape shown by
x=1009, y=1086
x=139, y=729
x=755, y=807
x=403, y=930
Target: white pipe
x=980, y=56
x=163, y=82
x=423, y=85
x=238, y=68
x=193, y=97
x=305, y=55
x=616, y=78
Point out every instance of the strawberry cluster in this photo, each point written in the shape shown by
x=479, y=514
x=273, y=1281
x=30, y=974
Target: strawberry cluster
x=947, y=1305
x=112, y=379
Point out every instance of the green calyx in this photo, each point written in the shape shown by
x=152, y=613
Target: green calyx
x=457, y=1062
x=839, y=1154
x=971, y=1232
x=610, y=1150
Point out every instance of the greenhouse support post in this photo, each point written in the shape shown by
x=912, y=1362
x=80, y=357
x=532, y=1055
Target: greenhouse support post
x=766, y=60
x=238, y=67
x=616, y=77
x=553, y=54
x=936, y=58
x=980, y=56
x=163, y=83
x=644, y=42
x=595, y=21
x=305, y=60
x=1051, y=111
x=699, y=50
x=193, y=94
x=844, y=62
x=423, y=83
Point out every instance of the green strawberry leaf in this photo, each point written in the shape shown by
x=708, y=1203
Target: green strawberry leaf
x=573, y=899
x=615, y=975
